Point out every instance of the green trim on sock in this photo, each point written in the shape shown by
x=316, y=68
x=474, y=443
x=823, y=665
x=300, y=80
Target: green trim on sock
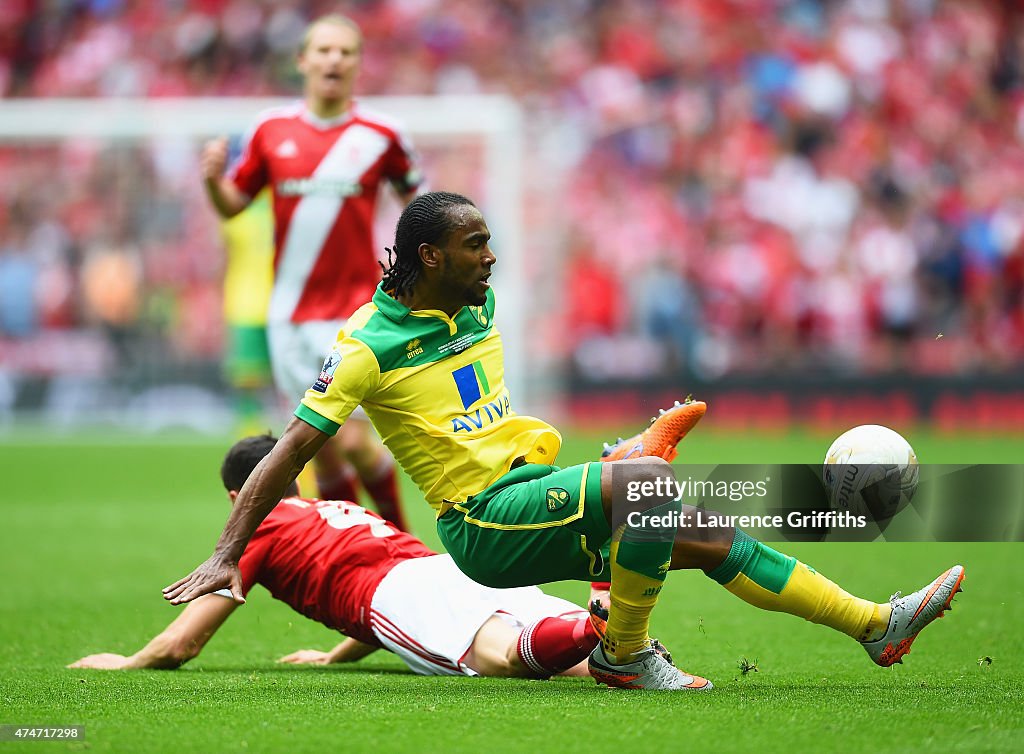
x=769, y=568
x=739, y=553
x=650, y=559
x=647, y=550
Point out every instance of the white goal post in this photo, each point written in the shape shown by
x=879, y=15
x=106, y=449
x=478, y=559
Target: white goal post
x=495, y=120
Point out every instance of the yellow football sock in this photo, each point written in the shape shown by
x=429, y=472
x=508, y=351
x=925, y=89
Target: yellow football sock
x=767, y=579
x=633, y=595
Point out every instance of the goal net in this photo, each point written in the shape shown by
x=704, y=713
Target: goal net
x=112, y=263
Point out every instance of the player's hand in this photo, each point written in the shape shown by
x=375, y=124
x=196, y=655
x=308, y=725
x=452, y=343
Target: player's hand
x=601, y=595
x=103, y=661
x=213, y=159
x=212, y=575
x=307, y=657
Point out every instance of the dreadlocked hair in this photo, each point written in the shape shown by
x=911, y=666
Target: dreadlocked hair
x=427, y=219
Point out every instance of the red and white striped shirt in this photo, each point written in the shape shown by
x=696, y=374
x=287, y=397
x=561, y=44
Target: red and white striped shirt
x=325, y=177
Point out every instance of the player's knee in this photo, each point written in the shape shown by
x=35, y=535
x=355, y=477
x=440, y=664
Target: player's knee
x=495, y=651
x=511, y=665
x=635, y=471
x=649, y=483
x=635, y=484
x=651, y=470
x=497, y=664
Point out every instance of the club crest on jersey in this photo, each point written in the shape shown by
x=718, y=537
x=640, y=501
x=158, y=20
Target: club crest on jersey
x=479, y=314
x=557, y=498
x=327, y=371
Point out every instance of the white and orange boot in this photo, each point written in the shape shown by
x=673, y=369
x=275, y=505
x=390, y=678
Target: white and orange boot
x=911, y=614
x=648, y=669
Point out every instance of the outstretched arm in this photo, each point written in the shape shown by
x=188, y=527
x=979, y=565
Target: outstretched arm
x=350, y=650
x=182, y=640
x=262, y=491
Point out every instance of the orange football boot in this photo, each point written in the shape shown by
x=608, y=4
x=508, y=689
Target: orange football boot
x=661, y=437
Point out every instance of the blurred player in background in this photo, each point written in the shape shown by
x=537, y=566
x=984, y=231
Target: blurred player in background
x=350, y=570
x=324, y=159
x=248, y=280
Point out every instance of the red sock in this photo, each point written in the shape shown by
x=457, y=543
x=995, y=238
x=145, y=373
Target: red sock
x=341, y=487
x=551, y=645
x=384, y=491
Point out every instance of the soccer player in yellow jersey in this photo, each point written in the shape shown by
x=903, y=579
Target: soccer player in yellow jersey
x=424, y=359
x=248, y=279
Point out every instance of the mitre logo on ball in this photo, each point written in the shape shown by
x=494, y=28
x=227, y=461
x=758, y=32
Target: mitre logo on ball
x=870, y=471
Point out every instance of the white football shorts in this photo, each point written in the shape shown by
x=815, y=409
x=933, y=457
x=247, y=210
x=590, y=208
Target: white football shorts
x=297, y=352
x=427, y=612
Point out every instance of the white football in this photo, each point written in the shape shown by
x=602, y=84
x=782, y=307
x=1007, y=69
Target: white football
x=870, y=471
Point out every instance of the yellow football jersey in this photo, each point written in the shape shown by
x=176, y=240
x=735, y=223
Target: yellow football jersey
x=434, y=387
x=249, y=277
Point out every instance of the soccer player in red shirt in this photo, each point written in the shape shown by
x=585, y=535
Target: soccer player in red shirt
x=351, y=570
x=324, y=159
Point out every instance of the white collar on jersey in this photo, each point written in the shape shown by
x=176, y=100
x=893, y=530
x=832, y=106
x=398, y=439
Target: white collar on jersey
x=314, y=120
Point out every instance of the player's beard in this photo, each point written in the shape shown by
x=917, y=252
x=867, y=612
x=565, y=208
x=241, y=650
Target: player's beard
x=474, y=297
x=468, y=295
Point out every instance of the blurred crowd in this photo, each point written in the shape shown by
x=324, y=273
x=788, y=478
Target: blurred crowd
x=714, y=186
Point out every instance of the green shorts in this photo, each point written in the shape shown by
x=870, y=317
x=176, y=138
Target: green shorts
x=534, y=525
x=247, y=361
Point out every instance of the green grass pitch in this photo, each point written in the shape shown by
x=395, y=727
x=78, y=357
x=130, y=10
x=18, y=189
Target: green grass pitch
x=93, y=527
